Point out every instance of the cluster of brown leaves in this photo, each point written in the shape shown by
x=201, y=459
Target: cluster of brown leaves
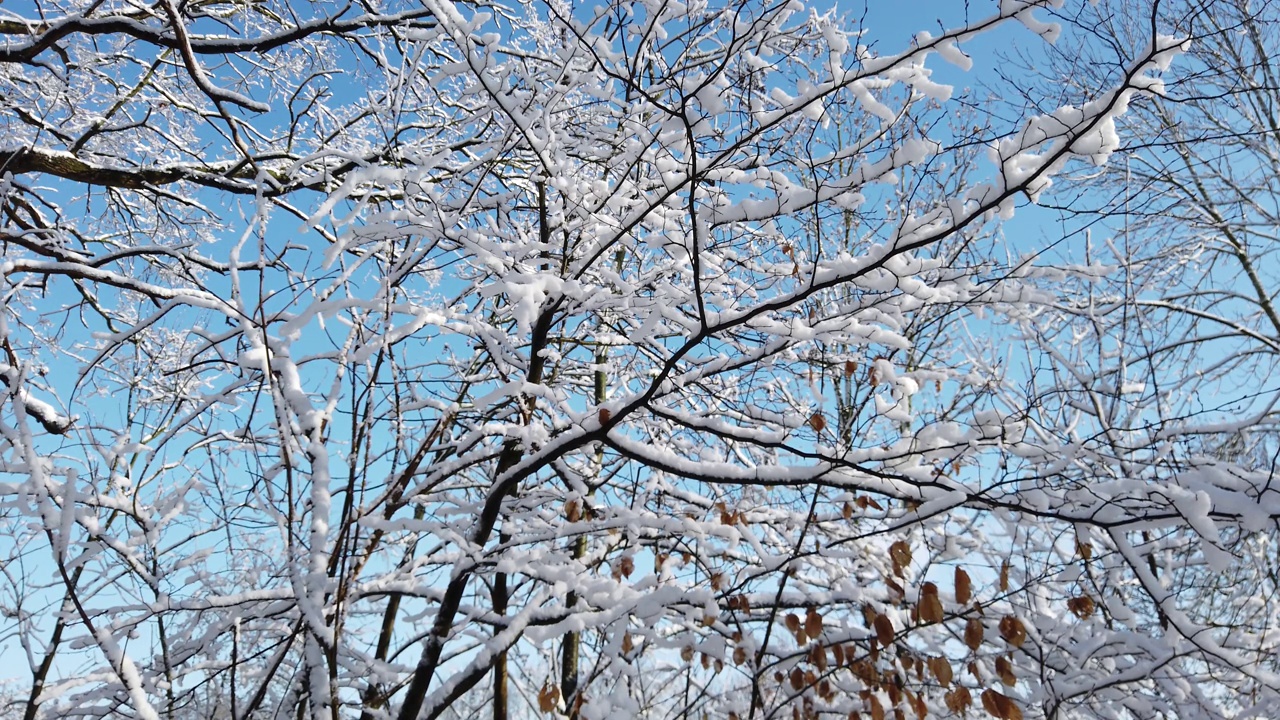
x=815, y=678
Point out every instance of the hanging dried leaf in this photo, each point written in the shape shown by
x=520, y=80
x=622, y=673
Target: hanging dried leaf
x=958, y=700
x=837, y=653
x=1004, y=576
x=817, y=422
x=797, y=679
x=930, y=605
x=1000, y=705
x=884, y=630
x=964, y=588
x=895, y=690
x=990, y=704
x=900, y=554
x=818, y=657
x=627, y=643
x=877, y=711
x=792, y=622
x=973, y=631
x=868, y=615
x=941, y=669
x=573, y=510
x=898, y=590
x=1082, y=606
x=850, y=367
x=920, y=707
x=739, y=655
x=1085, y=549
x=1004, y=668
x=847, y=511
x=548, y=697
x=812, y=623
x=686, y=653
x=1013, y=631
x=603, y=415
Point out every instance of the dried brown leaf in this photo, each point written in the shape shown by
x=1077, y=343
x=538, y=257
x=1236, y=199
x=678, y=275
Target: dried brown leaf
x=900, y=554
x=884, y=629
x=930, y=605
x=958, y=700
x=1004, y=669
x=793, y=622
x=812, y=623
x=1082, y=606
x=941, y=669
x=1000, y=705
x=964, y=587
x=548, y=697
x=1013, y=631
x=818, y=657
x=877, y=711
x=973, y=631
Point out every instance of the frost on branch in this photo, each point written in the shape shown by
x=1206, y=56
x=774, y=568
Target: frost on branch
x=615, y=360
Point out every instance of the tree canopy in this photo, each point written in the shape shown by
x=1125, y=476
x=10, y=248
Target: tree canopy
x=419, y=359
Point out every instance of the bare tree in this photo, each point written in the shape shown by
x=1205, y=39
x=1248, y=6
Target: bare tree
x=428, y=359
